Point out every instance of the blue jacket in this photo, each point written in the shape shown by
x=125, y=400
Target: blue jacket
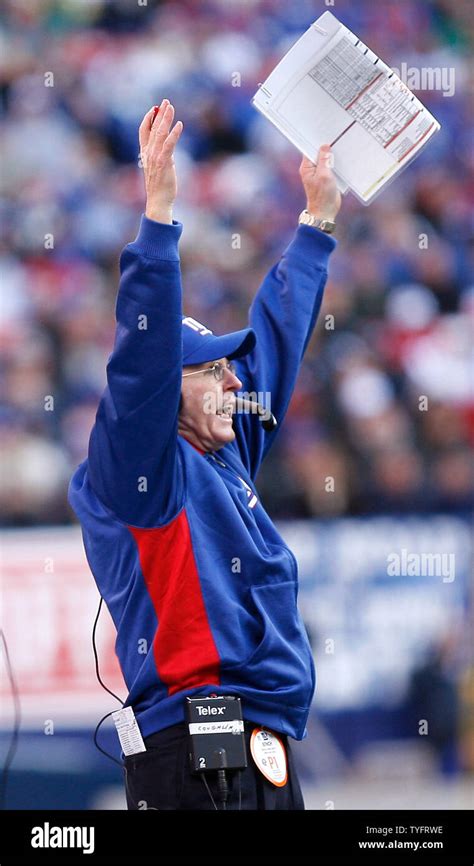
x=200, y=585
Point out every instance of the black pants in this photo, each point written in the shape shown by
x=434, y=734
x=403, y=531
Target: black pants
x=161, y=778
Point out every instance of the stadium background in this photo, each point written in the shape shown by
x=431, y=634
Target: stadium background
x=390, y=650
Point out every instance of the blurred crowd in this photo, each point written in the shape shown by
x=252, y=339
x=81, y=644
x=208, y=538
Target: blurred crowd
x=382, y=419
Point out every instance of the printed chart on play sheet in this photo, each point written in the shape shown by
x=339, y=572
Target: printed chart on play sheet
x=330, y=87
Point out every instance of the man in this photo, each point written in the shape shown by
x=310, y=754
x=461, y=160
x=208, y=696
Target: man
x=201, y=587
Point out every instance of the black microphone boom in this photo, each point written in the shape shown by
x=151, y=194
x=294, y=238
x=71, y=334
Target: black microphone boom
x=267, y=419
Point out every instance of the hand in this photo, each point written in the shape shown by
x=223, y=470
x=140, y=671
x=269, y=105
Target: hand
x=323, y=198
x=157, y=144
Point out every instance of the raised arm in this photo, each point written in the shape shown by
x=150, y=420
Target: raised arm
x=133, y=465
x=285, y=310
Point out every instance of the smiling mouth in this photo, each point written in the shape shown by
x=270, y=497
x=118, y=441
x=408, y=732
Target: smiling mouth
x=226, y=411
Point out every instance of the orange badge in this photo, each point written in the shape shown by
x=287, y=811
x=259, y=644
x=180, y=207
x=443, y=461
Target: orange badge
x=269, y=755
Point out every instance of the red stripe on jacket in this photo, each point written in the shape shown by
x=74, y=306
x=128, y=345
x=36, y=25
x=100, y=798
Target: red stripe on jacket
x=184, y=649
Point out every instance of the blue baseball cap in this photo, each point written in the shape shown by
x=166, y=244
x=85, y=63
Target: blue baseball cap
x=200, y=344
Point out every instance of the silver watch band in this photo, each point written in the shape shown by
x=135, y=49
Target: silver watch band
x=307, y=219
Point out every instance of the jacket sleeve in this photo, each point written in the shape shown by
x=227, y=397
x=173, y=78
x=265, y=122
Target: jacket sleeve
x=133, y=464
x=283, y=316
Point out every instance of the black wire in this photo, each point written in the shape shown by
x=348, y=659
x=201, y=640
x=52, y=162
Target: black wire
x=97, y=658
x=99, y=747
x=239, y=773
x=16, y=725
x=203, y=777
x=120, y=764
x=223, y=787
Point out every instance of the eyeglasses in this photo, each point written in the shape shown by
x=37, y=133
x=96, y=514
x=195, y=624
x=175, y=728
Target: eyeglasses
x=218, y=369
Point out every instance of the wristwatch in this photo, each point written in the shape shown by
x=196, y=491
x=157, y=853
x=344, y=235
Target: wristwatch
x=307, y=219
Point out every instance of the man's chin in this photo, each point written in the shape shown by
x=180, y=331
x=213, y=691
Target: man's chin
x=222, y=437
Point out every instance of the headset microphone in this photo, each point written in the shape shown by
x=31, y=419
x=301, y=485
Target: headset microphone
x=267, y=419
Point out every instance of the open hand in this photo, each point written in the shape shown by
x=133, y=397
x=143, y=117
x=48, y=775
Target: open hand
x=157, y=144
x=323, y=198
